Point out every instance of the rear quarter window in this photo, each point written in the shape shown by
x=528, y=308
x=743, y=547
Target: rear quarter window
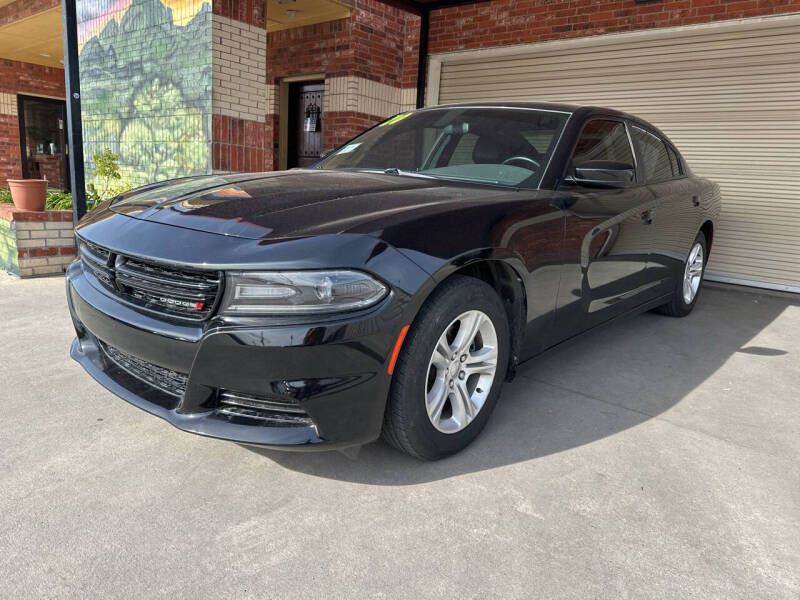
x=677, y=167
x=656, y=164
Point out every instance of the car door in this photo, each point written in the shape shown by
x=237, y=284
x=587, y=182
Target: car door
x=606, y=243
x=675, y=214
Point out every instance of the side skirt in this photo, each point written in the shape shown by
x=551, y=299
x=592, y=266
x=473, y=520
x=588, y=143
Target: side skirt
x=642, y=308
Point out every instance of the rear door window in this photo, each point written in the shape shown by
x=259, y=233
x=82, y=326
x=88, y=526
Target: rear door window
x=655, y=162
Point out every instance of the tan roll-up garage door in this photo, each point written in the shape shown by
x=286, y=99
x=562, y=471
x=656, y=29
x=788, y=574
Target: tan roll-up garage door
x=727, y=94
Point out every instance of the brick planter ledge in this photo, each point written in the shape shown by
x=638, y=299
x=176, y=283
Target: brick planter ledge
x=35, y=243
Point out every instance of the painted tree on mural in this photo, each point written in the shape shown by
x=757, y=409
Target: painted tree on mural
x=169, y=145
x=146, y=92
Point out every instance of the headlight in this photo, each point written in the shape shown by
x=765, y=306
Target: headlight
x=299, y=292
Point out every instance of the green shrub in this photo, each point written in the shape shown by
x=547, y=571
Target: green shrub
x=107, y=179
x=58, y=200
x=5, y=195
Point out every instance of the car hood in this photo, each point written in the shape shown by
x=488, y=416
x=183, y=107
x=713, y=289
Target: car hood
x=296, y=203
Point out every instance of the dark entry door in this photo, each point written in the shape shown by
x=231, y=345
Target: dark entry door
x=42, y=135
x=306, y=102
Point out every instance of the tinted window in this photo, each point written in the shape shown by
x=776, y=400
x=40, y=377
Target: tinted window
x=677, y=169
x=603, y=140
x=497, y=146
x=656, y=165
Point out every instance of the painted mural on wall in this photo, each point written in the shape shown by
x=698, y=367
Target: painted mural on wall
x=145, y=70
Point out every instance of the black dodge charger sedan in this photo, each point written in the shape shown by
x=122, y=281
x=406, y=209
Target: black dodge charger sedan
x=393, y=287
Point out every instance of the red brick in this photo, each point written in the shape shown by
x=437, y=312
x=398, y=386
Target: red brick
x=30, y=215
x=504, y=22
x=59, y=215
x=21, y=78
x=20, y=9
x=36, y=252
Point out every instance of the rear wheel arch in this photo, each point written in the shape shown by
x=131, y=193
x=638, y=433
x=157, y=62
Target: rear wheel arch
x=707, y=229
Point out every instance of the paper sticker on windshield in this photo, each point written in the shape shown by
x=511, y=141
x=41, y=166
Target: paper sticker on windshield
x=394, y=120
x=349, y=148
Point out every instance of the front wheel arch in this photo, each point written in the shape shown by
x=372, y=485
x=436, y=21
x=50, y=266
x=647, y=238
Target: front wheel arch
x=508, y=284
x=406, y=425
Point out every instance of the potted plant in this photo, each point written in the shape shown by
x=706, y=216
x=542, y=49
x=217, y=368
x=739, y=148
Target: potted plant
x=28, y=194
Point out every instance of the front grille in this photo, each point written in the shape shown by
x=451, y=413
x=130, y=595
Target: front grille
x=271, y=411
x=183, y=293
x=165, y=379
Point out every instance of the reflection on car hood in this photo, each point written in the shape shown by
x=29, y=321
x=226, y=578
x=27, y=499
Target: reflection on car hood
x=293, y=203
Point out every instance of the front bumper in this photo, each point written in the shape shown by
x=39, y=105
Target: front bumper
x=334, y=370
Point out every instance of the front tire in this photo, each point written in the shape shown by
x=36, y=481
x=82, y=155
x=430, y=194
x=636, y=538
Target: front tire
x=450, y=371
x=687, y=289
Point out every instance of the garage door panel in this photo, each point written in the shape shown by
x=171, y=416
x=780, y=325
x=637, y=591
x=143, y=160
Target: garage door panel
x=762, y=72
x=631, y=55
x=628, y=70
x=727, y=94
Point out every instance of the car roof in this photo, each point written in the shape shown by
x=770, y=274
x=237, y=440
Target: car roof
x=558, y=106
x=579, y=110
x=570, y=108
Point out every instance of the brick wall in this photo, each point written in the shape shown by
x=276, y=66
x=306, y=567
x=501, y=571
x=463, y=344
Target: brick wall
x=21, y=78
x=368, y=62
x=252, y=12
x=35, y=243
x=378, y=42
x=508, y=22
x=20, y=9
x=238, y=144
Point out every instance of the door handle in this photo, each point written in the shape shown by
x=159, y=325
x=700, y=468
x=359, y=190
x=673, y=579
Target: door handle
x=647, y=217
x=695, y=201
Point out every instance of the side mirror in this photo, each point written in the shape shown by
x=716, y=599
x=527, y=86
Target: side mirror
x=602, y=174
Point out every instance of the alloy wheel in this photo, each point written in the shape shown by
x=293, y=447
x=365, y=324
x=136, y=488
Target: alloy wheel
x=693, y=273
x=461, y=371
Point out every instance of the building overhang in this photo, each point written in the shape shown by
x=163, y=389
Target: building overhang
x=34, y=38
x=288, y=14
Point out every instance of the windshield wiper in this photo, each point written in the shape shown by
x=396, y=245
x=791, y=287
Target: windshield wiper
x=401, y=172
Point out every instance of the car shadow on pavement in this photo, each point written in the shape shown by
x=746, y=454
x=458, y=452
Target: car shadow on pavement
x=607, y=381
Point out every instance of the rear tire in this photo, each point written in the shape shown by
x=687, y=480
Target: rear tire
x=450, y=370
x=688, y=286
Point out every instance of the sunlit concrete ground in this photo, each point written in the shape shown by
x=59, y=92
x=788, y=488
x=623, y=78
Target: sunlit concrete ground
x=655, y=458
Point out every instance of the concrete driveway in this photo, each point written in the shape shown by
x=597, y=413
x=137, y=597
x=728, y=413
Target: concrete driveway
x=656, y=458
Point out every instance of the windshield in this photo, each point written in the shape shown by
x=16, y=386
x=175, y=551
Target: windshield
x=497, y=146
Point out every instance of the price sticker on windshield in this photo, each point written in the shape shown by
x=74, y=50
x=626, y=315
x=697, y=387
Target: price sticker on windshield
x=395, y=119
x=349, y=148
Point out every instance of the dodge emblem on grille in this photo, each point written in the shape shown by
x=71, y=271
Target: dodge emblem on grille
x=182, y=303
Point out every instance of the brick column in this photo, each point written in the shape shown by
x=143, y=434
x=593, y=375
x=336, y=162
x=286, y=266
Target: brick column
x=35, y=243
x=239, y=90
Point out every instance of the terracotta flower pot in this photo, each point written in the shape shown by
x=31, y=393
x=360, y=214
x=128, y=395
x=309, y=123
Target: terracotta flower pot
x=28, y=194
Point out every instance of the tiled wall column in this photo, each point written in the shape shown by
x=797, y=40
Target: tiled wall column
x=239, y=94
